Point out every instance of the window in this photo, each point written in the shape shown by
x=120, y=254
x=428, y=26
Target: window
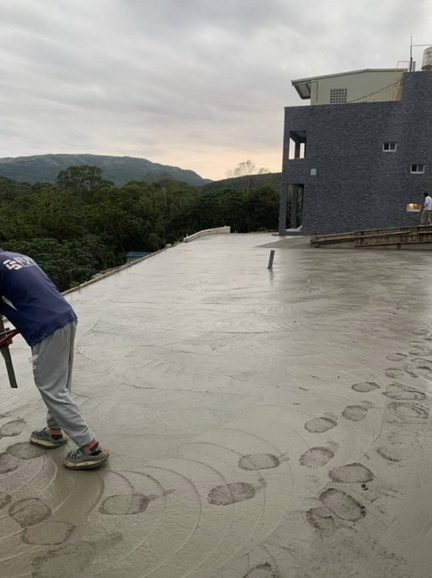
x=389, y=147
x=417, y=169
x=338, y=95
x=413, y=207
x=297, y=144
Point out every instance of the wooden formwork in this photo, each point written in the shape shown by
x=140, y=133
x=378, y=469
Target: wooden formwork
x=397, y=237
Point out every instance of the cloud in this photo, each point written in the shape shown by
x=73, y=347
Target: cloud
x=196, y=83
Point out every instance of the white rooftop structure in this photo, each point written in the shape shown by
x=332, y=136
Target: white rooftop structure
x=367, y=85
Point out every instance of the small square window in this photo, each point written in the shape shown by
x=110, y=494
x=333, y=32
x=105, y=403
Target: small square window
x=417, y=169
x=389, y=147
x=338, y=95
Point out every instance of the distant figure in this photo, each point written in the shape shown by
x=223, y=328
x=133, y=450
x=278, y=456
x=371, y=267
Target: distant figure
x=31, y=301
x=427, y=208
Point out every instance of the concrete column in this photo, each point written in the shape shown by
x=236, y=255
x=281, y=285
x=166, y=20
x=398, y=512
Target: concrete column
x=294, y=201
x=283, y=209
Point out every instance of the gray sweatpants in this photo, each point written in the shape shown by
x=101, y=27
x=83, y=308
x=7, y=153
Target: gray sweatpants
x=52, y=371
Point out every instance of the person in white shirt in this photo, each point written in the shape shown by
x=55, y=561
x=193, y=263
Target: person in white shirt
x=427, y=208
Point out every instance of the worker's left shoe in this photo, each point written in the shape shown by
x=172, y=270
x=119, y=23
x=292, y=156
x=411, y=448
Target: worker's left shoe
x=83, y=459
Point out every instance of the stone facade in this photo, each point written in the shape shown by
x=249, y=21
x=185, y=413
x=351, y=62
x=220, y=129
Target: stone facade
x=357, y=185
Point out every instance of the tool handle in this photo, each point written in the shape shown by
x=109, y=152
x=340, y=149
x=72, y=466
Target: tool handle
x=4, y=349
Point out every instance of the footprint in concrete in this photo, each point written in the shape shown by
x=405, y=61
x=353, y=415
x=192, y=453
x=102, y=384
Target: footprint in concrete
x=124, y=505
x=48, y=533
x=396, y=356
x=29, y=512
x=68, y=562
x=418, y=367
x=320, y=424
x=231, y=493
x=394, y=373
x=355, y=412
x=420, y=332
x=25, y=451
x=5, y=499
x=321, y=518
x=403, y=392
x=421, y=362
x=72, y=560
x=417, y=348
x=389, y=453
x=255, y=462
x=351, y=473
x=264, y=570
x=316, y=457
x=8, y=463
x=365, y=386
x=407, y=410
x=12, y=428
x=343, y=505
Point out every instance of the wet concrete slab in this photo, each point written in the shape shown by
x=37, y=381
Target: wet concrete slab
x=261, y=423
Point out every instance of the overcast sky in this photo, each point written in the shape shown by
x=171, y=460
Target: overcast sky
x=198, y=84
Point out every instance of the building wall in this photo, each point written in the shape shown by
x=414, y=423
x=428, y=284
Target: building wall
x=357, y=185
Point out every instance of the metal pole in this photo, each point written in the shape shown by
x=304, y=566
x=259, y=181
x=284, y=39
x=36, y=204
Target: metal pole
x=270, y=263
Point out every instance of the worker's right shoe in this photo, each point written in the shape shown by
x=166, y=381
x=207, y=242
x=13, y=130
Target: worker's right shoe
x=44, y=439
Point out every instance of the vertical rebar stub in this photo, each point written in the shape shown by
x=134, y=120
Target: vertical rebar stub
x=270, y=263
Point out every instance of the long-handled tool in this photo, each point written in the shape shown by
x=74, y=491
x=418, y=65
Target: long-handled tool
x=5, y=340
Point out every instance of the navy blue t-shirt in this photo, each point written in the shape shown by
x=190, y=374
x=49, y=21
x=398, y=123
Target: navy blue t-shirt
x=29, y=299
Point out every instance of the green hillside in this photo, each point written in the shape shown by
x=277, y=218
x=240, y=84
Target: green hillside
x=247, y=182
x=120, y=170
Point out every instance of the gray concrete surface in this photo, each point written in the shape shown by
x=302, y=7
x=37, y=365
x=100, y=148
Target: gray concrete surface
x=262, y=423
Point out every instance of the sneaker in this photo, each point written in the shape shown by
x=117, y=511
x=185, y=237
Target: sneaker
x=82, y=459
x=45, y=440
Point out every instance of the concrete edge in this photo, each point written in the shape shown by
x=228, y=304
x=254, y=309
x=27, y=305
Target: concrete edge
x=104, y=274
x=216, y=231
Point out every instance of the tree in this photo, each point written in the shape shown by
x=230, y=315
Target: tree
x=245, y=169
x=82, y=179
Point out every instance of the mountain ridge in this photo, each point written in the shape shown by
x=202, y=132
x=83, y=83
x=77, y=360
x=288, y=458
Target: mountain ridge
x=119, y=169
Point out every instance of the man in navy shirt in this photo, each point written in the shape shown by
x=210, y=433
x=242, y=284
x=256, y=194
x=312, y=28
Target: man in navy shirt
x=31, y=301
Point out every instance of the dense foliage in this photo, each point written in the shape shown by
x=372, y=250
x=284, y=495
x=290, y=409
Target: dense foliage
x=84, y=224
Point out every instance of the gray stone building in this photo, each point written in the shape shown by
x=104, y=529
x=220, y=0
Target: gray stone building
x=360, y=156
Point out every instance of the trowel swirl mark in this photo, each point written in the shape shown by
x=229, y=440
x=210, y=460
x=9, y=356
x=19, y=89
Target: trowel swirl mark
x=320, y=424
